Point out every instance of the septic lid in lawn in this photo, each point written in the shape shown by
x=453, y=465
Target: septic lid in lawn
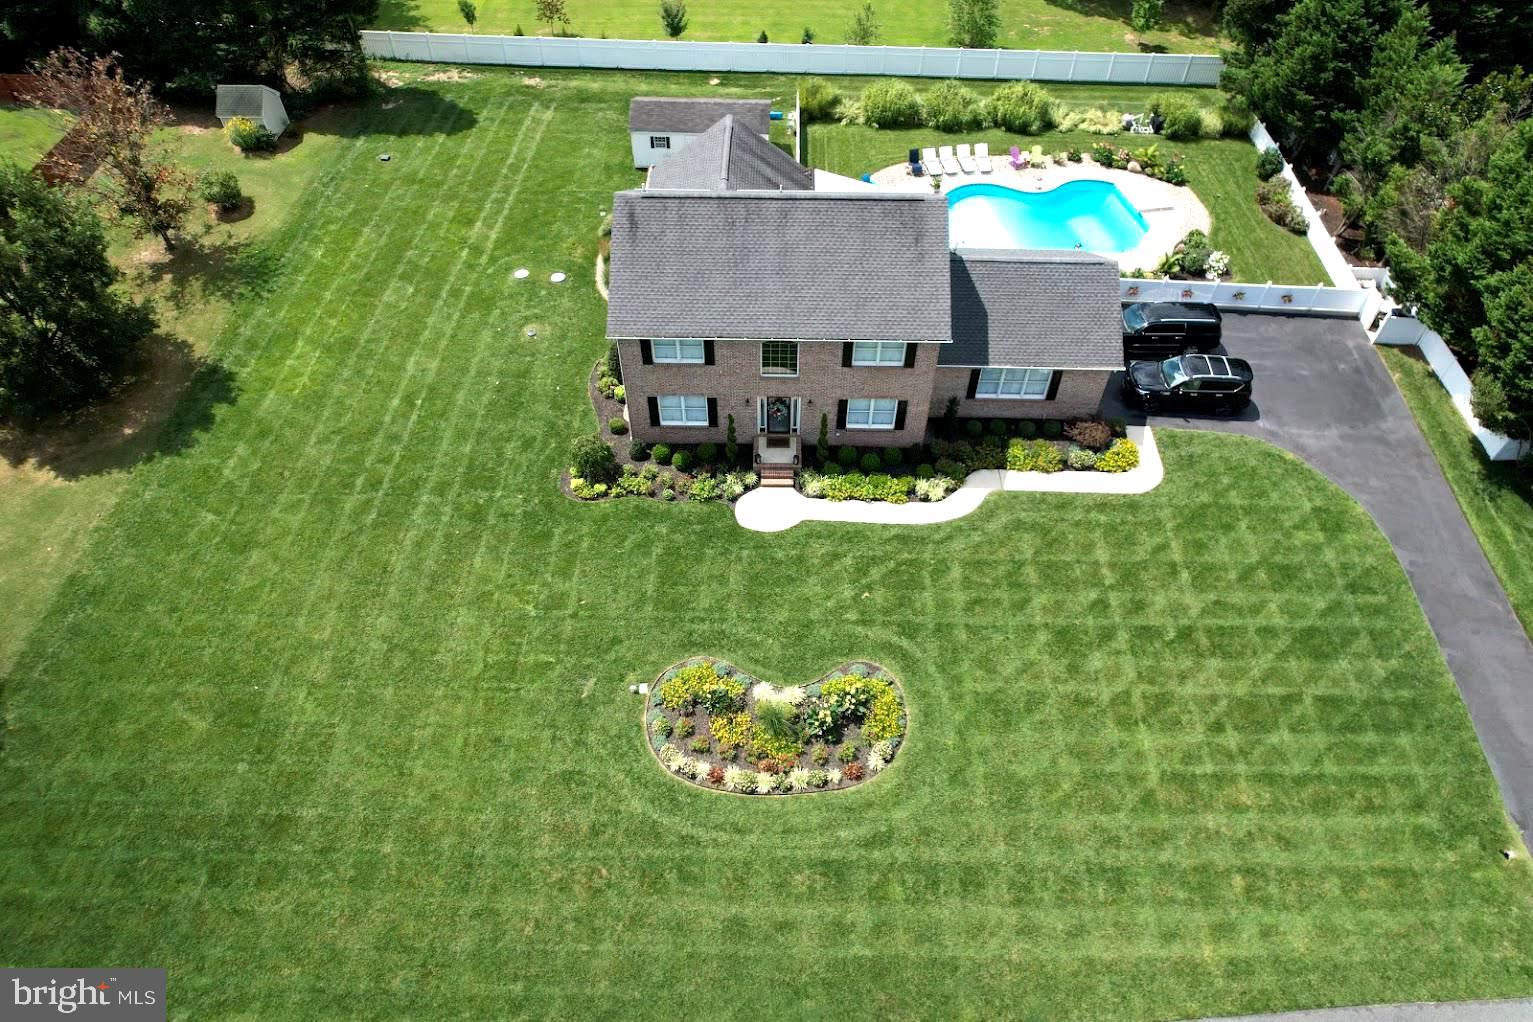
x=521, y=273
x=556, y=278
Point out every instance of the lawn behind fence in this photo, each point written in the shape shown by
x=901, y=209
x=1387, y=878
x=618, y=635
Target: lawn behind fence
x=1103, y=25
x=334, y=708
x=27, y=133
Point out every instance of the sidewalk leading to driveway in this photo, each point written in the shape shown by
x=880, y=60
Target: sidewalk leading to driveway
x=1323, y=393
x=774, y=509
x=1461, y=1011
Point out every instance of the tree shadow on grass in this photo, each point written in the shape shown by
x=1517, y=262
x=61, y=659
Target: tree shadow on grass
x=400, y=111
x=400, y=16
x=1185, y=19
x=201, y=270
x=170, y=397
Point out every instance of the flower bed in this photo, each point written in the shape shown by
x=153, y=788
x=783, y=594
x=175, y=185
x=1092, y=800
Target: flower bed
x=713, y=725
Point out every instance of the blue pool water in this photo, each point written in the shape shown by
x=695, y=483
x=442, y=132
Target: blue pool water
x=1093, y=215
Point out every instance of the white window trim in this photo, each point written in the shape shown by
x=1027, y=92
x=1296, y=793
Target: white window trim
x=679, y=360
x=1003, y=370
x=872, y=404
x=660, y=400
x=878, y=363
x=778, y=374
x=795, y=414
x=660, y=141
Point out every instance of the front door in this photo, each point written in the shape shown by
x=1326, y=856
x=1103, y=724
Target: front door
x=779, y=415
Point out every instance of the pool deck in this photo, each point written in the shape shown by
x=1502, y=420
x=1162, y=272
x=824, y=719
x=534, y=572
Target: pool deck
x=1169, y=211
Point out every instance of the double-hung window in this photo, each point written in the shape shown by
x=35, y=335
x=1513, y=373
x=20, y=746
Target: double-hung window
x=1020, y=384
x=683, y=410
x=672, y=349
x=871, y=412
x=779, y=358
x=878, y=353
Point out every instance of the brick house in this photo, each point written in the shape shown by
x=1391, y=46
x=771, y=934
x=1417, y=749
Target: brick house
x=738, y=289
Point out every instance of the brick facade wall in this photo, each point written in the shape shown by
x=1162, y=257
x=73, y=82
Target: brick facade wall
x=735, y=381
x=1080, y=394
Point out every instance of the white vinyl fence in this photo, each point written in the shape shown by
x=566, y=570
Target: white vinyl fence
x=1401, y=329
x=786, y=58
x=1336, y=266
x=1314, y=300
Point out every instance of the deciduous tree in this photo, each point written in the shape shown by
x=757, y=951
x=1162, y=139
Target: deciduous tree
x=552, y=13
x=975, y=24
x=864, y=30
x=65, y=332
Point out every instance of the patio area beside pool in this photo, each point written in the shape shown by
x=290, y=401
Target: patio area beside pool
x=1169, y=211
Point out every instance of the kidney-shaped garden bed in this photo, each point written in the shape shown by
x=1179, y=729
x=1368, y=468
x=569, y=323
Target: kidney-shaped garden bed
x=712, y=724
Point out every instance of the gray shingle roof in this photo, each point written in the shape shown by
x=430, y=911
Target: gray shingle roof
x=694, y=116
x=1023, y=308
x=753, y=264
x=729, y=157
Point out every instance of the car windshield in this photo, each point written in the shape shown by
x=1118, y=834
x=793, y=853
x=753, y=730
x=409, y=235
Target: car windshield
x=1172, y=372
x=1134, y=317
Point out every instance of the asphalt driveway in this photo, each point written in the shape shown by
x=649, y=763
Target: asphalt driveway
x=1322, y=392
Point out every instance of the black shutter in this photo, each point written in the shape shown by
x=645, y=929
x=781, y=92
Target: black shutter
x=973, y=382
x=899, y=414
x=846, y=355
x=708, y=352
x=910, y=356
x=654, y=410
x=841, y=414
x=1053, y=385
x=713, y=411
x=646, y=355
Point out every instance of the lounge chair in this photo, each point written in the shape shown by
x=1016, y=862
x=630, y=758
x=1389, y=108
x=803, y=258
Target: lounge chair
x=982, y=157
x=966, y=159
x=1142, y=126
x=1018, y=158
x=915, y=163
x=933, y=164
x=949, y=164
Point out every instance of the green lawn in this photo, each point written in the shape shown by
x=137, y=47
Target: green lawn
x=1188, y=26
x=333, y=711
x=1496, y=498
x=27, y=133
x=1221, y=171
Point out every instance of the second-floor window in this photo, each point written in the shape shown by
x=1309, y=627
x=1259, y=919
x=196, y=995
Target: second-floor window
x=779, y=358
x=685, y=350
x=878, y=353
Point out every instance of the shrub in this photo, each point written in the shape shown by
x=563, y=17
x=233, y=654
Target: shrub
x=587, y=490
x=883, y=719
x=1027, y=429
x=638, y=451
x=974, y=428
x=1052, y=428
x=1120, y=457
x=1269, y=164
x=704, y=487
x=701, y=744
x=998, y=427
x=614, y=363
x=893, y=456
x=681, y=460
x=1104, y=155
x=817, y=99
x=858, y=486
x=846, y=454
x=1091, y=433
x=853, y=772
x=847, y=753
x=817, y=779
x=935, y=488
x=685, y=727
x=618, y=425
x=701, y=685
x=716, y=774
x=667, y=494
x=631, y=484
x=731, y=730
x=743, y=781
x=661, y=725
x=662, y=454
x=591, y=459
x=1081, y=459
x=952, y=468
x=1278, y=206
x=1022, y=108
x=222, y=189
x=871, y=462
x=834, y=469
x=1094, y=121
x=925, y=471
x=708, y=453
x=248, y=136
x=1033, y=456
x=990, y=454
x=1183, y=118
x=891, y=104
x=673, y=17
x=820, y=755
x=731, y=444
x=952, y=106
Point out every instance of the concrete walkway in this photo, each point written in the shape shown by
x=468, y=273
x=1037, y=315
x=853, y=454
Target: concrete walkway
x=1322, y=392
x=1461, y=1011
x=776, y=508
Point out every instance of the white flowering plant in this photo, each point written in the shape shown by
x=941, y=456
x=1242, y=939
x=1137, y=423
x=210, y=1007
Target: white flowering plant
x=1218, y=264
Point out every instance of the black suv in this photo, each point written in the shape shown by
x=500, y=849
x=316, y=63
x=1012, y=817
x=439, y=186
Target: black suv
x=1163, y=329
x=1210, y=382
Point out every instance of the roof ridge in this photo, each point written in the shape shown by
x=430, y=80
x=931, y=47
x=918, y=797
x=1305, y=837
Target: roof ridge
x=729, y=134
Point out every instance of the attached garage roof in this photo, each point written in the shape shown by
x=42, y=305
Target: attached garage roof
x=695, y=116
x=1023, y=308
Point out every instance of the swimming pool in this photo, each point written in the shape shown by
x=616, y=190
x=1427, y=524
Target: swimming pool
x=1093, y=215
